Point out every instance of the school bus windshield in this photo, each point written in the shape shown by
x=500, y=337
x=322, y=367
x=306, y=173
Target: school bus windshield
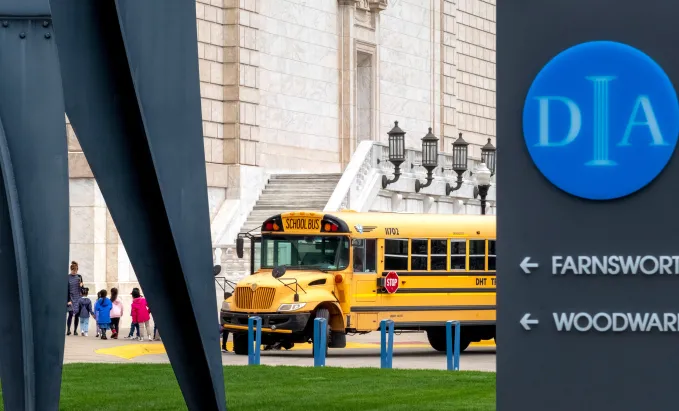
x=303, y=251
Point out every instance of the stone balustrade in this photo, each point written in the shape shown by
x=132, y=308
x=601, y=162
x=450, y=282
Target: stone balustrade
x=360, y=188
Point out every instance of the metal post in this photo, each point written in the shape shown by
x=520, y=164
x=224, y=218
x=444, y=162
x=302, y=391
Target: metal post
x=386, y=345
x=320, y=341
x=453, y=349
x=254, y=340
x=483, y=192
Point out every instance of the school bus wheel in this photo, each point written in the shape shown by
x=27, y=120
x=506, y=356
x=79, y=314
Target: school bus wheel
x=437, y=339
x=325, y=313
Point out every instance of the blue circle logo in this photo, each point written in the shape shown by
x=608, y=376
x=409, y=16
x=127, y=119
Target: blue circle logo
x=601, y=120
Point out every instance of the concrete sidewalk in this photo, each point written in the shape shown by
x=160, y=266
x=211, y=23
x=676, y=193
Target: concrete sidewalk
x=411, y=350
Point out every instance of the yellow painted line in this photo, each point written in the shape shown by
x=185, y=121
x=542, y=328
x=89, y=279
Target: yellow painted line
x=130, y=351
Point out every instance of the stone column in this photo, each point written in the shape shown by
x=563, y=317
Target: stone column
x=210, y=19
x=448, y=74
x=358, y=22
x=241, y=74
x=347, y=64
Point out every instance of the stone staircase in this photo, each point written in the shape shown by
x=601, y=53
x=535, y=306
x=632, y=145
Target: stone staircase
x=283, y=193
x=290, y=192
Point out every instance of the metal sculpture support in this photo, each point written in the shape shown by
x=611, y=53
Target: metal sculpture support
x=34, y=215
x=131, y=91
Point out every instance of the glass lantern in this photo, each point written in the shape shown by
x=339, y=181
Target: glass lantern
x=430, y=151
x=397, y=152
x=460, y=153
x=488, y=156
x=483, y=175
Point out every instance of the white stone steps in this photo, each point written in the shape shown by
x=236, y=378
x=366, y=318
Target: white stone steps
x=283, y=193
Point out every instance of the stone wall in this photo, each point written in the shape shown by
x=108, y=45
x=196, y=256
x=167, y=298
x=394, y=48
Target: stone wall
x=298, y=84
x=476, y=72
x=406, y=71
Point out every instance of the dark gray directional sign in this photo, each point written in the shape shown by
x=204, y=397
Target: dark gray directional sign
x=588, y=120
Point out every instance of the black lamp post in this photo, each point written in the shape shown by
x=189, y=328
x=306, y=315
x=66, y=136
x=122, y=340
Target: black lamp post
x=460, y=153
x=485, y=171
x=397, y=153
x=430, y=159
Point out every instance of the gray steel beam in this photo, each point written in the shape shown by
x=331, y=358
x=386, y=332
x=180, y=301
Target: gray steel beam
x=24, y=8
x=34, y=217
x=132, y=95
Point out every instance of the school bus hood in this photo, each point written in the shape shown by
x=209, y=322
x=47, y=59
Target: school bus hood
x=265, y=279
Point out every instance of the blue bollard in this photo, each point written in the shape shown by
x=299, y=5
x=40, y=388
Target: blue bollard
x=254, y=340
x=386, y=346
x=453, y=349
x=320, y=341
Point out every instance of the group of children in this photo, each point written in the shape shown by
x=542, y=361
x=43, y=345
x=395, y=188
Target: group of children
x=107, y=313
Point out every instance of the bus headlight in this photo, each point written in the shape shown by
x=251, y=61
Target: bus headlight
x=291, y=307
x=226, y=306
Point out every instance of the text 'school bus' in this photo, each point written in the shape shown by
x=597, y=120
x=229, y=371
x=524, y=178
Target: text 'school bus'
x=335, y=266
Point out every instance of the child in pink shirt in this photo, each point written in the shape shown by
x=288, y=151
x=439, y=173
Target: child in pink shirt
x=140, y=314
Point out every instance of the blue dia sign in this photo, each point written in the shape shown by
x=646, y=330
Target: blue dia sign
x=601, y=120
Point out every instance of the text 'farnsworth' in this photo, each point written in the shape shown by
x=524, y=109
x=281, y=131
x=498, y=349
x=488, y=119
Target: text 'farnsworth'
x=616, y=265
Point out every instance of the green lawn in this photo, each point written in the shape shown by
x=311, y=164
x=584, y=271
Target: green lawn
x=153, y=387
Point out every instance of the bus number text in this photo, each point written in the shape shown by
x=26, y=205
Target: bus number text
x=391, y=231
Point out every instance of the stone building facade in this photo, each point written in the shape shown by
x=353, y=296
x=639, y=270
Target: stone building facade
x=295, y=86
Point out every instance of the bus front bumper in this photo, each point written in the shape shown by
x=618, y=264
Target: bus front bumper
x=271, y=323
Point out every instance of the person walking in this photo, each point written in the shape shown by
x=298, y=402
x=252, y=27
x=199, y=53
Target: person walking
x=140, y=314
x=84, y=310
x=116, y=313
x=75, y=284
x=103, y=310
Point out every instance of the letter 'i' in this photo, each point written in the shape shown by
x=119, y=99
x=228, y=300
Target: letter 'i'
x=600, y=132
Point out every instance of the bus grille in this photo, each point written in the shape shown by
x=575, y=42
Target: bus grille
x=260, y=299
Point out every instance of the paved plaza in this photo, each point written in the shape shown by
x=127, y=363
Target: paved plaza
x=411, y=350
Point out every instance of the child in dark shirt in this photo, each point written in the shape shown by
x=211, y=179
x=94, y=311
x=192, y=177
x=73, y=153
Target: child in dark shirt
x=83, y=310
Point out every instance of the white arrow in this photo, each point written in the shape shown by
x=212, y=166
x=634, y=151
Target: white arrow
x=526, y=321
x=526, y=265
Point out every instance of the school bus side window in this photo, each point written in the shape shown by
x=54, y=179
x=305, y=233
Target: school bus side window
x=458, y=254
x=477, y=255
x=365, y=257
x=396, y=254
x=491, y=255
x=439, y=253
x=419, y=255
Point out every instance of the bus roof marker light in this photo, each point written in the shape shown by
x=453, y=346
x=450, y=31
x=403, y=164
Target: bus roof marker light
x=396, y=153
x=430, y=159
x=460, y=158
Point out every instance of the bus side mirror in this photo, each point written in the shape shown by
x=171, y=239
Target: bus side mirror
x=278, y=272
x=239, y=246
x=216, y=270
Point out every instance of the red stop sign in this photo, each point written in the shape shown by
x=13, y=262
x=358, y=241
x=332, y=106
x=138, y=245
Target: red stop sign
x=391, y=282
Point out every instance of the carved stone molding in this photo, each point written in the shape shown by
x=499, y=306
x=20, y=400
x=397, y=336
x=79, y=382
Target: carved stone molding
x=377, y=6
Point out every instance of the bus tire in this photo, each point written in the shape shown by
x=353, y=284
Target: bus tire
x=338, y=339
x=437, y=339
x=240, y=343
x=324, y=313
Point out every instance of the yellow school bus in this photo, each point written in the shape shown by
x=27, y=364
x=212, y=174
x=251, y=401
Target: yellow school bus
x=334, y=265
